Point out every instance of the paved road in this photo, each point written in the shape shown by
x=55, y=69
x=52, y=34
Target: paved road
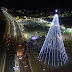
x=10, y=54
x=5, y=61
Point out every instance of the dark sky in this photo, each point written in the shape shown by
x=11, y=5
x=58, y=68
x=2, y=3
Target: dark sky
x=37, y=4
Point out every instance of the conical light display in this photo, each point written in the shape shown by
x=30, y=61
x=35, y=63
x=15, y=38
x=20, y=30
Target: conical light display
x=53, y=51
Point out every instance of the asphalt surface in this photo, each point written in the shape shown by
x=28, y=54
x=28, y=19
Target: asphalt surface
x=10, y=54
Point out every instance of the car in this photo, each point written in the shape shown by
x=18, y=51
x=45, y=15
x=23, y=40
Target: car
x=7, y=49
x=8, y=39
x=26, y=56
x=25, y=64
x=20, y=45
x=20, y=57
x=8, y=43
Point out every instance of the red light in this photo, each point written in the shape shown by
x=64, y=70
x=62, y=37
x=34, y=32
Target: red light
x=41, y=13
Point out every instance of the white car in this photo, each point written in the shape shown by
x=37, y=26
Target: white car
x=20, y=57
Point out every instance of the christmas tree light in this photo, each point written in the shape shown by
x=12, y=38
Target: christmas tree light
x=53, y=51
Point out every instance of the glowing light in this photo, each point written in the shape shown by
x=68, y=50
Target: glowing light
x=14, y=33
x=56, y=10
x=19, y=45
x=20, y=57
x=34, y=37
x=26, y=66
x=15, y=68
x=53, y=50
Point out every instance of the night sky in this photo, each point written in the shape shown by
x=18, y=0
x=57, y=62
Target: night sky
x=37, y=4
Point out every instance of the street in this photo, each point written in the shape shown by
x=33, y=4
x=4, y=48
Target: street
x=15, y=36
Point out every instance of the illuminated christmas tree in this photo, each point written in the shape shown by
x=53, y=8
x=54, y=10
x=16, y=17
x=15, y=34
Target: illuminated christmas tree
x=53, y=51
